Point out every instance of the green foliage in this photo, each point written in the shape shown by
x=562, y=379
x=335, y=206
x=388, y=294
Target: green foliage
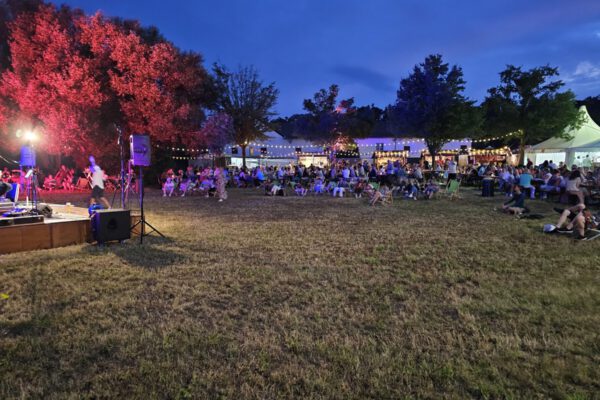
x=246, y=99
x=430, y=104
x=529, y=102
x=592, y=104
x=326, y=119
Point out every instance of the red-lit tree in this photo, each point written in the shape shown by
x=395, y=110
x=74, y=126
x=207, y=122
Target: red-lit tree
x=73, y=77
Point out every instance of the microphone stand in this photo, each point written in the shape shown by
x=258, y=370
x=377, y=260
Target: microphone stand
x=122, y=159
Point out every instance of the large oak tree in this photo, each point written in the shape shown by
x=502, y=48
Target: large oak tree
x=530, y=105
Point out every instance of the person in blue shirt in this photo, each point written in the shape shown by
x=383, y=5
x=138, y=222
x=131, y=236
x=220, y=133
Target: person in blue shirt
x=525, y=182
x=259, y=177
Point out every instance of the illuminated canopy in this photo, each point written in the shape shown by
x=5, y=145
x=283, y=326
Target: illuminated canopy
x=586, y=137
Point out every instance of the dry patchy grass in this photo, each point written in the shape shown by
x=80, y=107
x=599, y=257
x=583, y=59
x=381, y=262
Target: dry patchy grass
x=290, y=297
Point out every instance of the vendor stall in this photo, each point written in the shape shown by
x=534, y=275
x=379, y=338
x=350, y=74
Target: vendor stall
x=382, y=157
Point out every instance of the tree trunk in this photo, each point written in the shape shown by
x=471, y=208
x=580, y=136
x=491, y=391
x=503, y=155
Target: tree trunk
x=522, y=150
x=243, y=155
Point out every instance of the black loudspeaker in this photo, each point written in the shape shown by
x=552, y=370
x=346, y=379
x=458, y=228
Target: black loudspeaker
x=407, y=148
x=234, y=150
x=44, y=209
x=109, y=225
x=6, y=221
x=139, y=147
x=298, y=149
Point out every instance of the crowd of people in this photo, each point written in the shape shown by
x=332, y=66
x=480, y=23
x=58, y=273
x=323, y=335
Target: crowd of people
x=577, y=186
x=64, y=179
x=338, y=180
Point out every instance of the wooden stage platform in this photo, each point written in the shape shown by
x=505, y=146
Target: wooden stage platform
x=68, y=225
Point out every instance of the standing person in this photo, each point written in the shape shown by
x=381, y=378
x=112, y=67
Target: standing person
x=221, y=182
x=452, y=174
x=97, y=184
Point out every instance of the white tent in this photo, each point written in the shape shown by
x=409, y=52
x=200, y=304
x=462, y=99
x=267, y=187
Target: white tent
x=274, y=149
x=582, y=148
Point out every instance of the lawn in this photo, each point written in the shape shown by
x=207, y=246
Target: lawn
x=262, y=297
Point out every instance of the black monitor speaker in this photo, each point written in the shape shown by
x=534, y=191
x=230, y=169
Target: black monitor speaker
x=44, y=209
x=111, y=225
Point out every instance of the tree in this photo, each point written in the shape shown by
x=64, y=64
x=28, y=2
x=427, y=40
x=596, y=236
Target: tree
x=593, y=106
x=247, y=100
x=74, y=77
x=9, y=9
x=430, y=104
x=217, y=132
x=529, y=104
x=323, y=122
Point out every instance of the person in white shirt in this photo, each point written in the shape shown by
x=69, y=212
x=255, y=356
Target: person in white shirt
x=451, y=170
x=97, y=184
x=346, y=173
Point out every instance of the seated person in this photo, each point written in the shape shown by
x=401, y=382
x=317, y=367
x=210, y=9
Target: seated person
x=332, y=185
x=573, y=186
x=359, y=188
x=411, y=190
x=276, y=189
x=516, y=205
x=50, y=183
x=431, y=189
x=380, y=194
x=525, y=183
x=259, y=177
x=552, y=184
x=207, y=186
x=318, y=186
x=339, y=189
x=300, y=190
x=168, y=186
x=577, y=218
x=68, y=181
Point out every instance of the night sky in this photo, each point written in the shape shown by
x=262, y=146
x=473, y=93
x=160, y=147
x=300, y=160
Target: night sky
x=368, y=46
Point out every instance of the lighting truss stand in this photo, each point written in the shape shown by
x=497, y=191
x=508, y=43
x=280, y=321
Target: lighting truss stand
x=142, y=222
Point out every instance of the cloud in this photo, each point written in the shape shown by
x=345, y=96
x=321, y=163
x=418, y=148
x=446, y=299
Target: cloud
x=586, y=69
x=365, y=76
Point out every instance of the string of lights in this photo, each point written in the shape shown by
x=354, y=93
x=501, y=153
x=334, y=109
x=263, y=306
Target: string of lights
x=376, y=145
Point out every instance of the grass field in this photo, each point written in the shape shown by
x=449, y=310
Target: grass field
x=262, y=297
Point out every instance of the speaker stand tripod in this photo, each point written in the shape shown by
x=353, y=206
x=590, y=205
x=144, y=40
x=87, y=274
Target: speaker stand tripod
x=142, y=223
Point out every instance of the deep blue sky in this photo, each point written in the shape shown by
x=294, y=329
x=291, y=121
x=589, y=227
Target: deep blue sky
x=367, y=46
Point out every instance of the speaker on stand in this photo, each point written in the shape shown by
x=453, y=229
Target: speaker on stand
x=141, y=157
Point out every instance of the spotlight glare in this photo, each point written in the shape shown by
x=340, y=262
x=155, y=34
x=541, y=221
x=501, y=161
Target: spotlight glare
x=30, y=136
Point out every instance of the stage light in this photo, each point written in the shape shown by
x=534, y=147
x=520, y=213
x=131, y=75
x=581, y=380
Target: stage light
x=30, y=136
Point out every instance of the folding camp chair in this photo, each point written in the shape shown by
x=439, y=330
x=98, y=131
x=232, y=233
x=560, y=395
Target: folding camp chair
x=388, y=199
x=452, y=189
x=595, y=233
